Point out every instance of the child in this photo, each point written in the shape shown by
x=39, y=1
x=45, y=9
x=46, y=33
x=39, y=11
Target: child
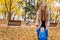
x=42, y=33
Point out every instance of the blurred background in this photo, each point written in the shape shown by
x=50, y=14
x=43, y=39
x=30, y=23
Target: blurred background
x=26, y=9
x=23, y=12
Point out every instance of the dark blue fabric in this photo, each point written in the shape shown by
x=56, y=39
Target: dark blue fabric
x=42, y=35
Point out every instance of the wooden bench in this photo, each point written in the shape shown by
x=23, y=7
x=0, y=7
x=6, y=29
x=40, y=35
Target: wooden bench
x=53, y=24
x=14, y=23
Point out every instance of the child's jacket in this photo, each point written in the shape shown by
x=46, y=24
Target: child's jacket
x=42, y=35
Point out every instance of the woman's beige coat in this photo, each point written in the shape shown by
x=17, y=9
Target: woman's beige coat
x=38, y=18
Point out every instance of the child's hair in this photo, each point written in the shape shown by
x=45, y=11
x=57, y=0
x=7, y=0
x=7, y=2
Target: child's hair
x=42, y=28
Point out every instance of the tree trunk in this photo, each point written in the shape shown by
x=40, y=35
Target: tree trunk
x=9, y=13
x=9, y=16
x=25, y=17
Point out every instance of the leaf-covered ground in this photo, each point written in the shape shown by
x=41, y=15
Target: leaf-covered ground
x=26, y=33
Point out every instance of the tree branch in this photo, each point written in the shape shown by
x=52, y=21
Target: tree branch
x=6, y=5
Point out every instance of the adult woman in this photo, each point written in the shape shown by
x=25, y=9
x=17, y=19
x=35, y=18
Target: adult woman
x=42, y=16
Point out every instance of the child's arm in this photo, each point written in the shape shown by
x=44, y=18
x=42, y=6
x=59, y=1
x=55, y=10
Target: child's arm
x=46, y=31
x=38, y=31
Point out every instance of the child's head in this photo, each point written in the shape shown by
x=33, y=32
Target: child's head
x=42, y=29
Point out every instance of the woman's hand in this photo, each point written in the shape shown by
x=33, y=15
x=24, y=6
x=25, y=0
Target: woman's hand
x=47, y=28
